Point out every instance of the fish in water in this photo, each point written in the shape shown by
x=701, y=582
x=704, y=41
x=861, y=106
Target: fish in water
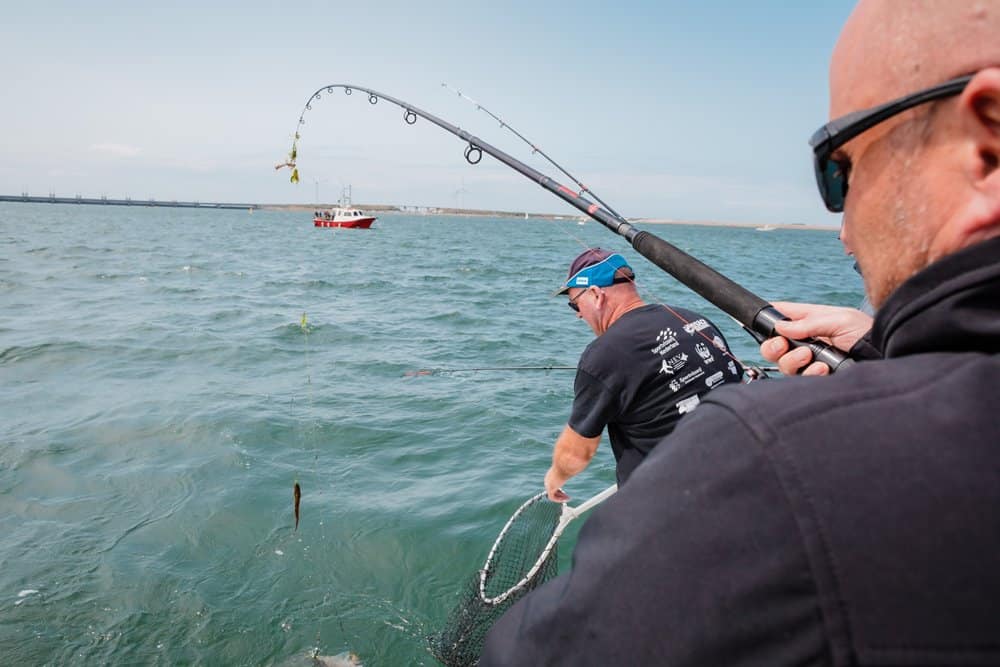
x=297, y=495
x=312, y=658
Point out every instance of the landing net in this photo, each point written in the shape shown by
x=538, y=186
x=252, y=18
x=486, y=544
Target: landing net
x=523, y=557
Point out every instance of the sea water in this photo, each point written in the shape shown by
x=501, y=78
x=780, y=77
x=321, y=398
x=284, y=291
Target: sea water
x=168, y=375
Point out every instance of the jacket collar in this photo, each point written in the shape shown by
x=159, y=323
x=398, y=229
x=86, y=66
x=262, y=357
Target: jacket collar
x=953, y=305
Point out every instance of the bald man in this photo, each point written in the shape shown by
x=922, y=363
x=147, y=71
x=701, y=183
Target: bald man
x=852, y=519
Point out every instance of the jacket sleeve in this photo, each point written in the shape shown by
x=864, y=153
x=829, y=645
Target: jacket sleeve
x=696, y=561
x=864, y=349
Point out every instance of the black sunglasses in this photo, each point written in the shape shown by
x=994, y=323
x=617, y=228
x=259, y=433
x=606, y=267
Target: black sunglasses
x=572, y=302
x=831, y=174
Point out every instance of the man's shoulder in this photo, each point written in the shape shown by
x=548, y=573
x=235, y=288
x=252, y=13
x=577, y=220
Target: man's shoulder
x=889, y=462
x=861, y=384
x=878, y=414
x=782, y=402
x=656, y=320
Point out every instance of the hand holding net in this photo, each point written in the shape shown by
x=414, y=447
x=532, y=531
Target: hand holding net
x=523, y=557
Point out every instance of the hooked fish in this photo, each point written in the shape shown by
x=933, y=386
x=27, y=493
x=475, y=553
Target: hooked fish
x=297, y=495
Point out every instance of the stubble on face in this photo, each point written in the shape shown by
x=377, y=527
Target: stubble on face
x=894, y=222
x=896, y=194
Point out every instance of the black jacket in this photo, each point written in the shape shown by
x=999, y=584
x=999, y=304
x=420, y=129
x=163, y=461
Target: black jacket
x=848, y=520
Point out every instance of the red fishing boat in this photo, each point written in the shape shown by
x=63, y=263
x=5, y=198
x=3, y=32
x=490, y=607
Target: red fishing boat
x=343, y=215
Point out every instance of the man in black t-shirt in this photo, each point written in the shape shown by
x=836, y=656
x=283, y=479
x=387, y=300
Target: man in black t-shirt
x=646, y=369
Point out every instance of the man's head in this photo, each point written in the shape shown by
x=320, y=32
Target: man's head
x=598, y=268
x=601, y=286
x=923, y=183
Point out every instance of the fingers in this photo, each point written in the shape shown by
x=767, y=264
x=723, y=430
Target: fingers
x=835, y=325
x=795, y=310
x=817, y=368
x=792, y=361
x=806, y=320
x=799, y=360
x=553, y=488
x=821, y=324
x=772, y=349
x=558, y=496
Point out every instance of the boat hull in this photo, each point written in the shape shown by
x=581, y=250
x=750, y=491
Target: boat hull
x=358, y=223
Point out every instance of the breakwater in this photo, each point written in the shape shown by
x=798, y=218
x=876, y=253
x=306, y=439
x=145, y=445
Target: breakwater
x=128, y=201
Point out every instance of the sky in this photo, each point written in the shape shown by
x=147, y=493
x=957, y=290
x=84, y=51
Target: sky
x=666, y=109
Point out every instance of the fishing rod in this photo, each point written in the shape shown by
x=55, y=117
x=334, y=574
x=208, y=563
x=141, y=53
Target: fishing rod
x=536, y=149
x=747, y=308
x=753, y=372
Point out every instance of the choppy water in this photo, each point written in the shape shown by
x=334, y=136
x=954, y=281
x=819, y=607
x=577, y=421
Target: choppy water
x=160, y=397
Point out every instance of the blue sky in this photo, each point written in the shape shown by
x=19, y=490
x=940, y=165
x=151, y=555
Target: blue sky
x=682, y=110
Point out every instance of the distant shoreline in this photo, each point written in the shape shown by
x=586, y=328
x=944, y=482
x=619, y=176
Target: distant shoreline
x=385, y=209
x=388, y=209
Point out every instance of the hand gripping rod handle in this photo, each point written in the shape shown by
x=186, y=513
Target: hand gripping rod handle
x=764, y=323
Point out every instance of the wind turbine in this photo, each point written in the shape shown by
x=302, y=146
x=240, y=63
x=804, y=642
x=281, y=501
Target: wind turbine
x=460, y=194
x=317, y=181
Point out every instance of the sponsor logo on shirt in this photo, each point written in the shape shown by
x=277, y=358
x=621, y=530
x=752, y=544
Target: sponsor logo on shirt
x=666, y=340
x=704, y=352
x=697, y=325
x=714, y=380
x=673, y=364
x=688, y=404
x=732, y=368
x=719, y=343
x=688, y=378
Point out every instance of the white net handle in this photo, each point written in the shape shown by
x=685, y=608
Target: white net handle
x=567, y=515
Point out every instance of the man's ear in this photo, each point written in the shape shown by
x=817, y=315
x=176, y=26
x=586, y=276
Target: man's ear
x=980, y=106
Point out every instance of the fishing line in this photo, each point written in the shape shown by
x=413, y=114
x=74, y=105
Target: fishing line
x=735, y=300
x=440, y=371
x=296, y=488
x=311, y=441
x=753, y=372
x=536, y=149
x=747, y=308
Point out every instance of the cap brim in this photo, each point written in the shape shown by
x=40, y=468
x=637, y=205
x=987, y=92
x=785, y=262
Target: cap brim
x=562, y=290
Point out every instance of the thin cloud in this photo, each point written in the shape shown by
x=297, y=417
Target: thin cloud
x=117, y=150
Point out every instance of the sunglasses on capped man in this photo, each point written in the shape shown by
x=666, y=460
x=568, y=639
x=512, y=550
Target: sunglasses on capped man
x=576, y=308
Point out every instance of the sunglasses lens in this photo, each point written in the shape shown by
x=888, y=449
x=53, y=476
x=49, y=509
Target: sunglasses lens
x=831, y=176
x=573, y=306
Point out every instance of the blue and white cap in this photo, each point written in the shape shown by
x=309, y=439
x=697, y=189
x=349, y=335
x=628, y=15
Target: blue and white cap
x=594, y=267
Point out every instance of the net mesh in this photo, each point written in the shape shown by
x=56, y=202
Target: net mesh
x=460, y=641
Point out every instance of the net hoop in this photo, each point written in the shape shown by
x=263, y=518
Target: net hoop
x=566, y=516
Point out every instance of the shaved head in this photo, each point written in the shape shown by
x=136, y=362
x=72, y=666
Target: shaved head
x=898, y=46
x=924, y=183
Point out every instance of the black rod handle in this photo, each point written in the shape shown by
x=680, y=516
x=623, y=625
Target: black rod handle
x=834, y=358
x=755, y=314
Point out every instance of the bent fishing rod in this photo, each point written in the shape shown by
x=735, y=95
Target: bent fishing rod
x=757, y=316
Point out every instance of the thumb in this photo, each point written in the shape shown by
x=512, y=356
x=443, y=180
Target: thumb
x=804, y=328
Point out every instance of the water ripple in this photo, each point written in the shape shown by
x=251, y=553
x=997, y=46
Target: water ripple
x=162, y=396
